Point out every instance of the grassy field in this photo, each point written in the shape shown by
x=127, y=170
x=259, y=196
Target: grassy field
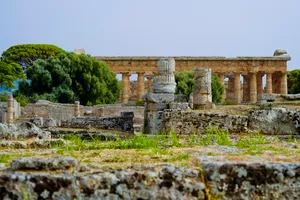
x=162, y=149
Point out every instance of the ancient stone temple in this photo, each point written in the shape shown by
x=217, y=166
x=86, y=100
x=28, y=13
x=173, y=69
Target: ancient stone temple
x=160, y=96
x=245, y=74
x=202, y=98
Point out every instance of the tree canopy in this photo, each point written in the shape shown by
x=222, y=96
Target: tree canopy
x=26, y=54
x=70, y=77
x=293, y=80
x=185, y=85
x=9, y=72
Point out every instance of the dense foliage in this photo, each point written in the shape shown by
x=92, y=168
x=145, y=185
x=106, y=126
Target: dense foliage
x=293, y=78
x=185, y=85
x=26, y=54
x=70, y=77
x=9, y=72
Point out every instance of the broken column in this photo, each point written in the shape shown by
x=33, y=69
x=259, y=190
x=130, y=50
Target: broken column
x=160, y=96
x=10, y=110
x=76, y=109
x=202, y=89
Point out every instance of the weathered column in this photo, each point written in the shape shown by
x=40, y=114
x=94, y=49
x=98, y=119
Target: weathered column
x=141, y=86
x=76, y=109
x=245, y=87
x=230, y=88
x=161, y=95
x=221, y=77
x=274, y=83
x=259, y=83
x=202, y=97
x=283, y=83
x=237, y=87
x=125, y=87
x=149, y=78
x=269, y=83
x=253, y=87
x=10, y=110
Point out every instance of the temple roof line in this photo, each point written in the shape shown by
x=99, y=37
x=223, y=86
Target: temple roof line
x=202, y=58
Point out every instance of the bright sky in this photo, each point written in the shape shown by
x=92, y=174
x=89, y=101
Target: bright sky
x=156, y=27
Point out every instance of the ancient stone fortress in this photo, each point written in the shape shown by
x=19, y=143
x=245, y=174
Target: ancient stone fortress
x=252, y=70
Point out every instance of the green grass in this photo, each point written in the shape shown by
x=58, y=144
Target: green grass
x=165, y=140
x=250, y=144
x=252, y=140
x=6, y=158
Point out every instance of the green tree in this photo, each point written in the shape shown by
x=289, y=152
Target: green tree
x=293, y=81
x=9, y=72
x=26, y=54
x=185, y=85
x=71, y=77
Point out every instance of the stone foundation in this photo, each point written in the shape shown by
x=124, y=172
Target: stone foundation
x=194, y=122
x=275, y=121
x=123, y=123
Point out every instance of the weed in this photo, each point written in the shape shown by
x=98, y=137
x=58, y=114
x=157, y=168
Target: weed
x=290, y=138
x=252, y=140
x=5, y=158
x=25, y=193
x=216, y=135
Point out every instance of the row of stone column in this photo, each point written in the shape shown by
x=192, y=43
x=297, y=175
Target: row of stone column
x=276, y=83
x=140, y=85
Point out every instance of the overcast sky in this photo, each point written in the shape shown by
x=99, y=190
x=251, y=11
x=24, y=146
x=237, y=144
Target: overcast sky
x=156, y=27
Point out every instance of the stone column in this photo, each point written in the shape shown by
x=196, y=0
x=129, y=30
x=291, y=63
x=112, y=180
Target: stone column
x=259, y=83
x=76, y=109
x=141, y=86
x=269, y=83
x=10, y=110
x=283, y=83
x=253, y=87
x=149, y=78
x=125, y=87
x=160, y=97
x=221, y=77
x=274, y=83
x=202, y=97
x=237, y=88
x=245, y=87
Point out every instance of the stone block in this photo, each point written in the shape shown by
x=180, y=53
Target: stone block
x=38, y=121
x=266, y=97
x=291, y=96
x=127, y=114
x=179, y=106
x=50, y=123
x=107, y=123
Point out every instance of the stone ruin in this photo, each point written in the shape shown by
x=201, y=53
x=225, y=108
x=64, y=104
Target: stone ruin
x=9, y=110
x=161, y=95
x=202, y=96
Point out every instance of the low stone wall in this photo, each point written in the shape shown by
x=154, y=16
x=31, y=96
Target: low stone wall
x=66, y=178
x=57, y=111
x=123, y=123
x=186, y=122
x=273, y=121
x=46, y=110
x=67, y=182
